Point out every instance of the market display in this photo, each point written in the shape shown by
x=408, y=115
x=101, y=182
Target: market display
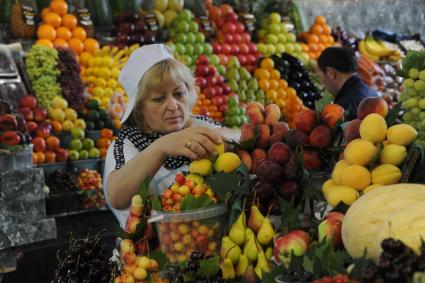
x=303, y=196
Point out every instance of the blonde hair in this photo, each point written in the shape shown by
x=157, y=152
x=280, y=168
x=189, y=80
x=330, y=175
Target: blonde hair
x=159, y=74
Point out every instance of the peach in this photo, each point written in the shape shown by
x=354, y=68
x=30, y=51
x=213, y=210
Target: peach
x=247, y=132
x=129, y=258
x=306, y=120
x=269, y=172
x=126, y=246
x=272, y=114
x=312, y=160
x=153, y=265
x=331, y=114
x=280, y=130
x=201, y=240
x=255, y=116
x=255, y=105
x=258, y=156
x=132, y=223
x=352, y=131
x=295, y=138
x=372, y=105
x=245, y=158
x=263, y=136
x=280, y=153
x=321, y=137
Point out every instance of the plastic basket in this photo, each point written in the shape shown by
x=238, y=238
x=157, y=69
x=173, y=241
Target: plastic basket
x=17, y=159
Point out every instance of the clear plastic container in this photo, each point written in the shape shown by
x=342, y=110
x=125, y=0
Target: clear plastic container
x=17, y=159
x=181, y=233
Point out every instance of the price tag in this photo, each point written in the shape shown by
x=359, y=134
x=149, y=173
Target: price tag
x=249, y=21
x=84, y=16
x=28, y=13
x=152, y=21
x=206, y=23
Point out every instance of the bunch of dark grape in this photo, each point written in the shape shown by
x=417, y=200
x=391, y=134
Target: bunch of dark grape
x=62, y=180
x=84, y=260
x=192, y=266
x=70, y=80
x=293, y=71
x=343, y=37
x=294, y=276
x=396, y=264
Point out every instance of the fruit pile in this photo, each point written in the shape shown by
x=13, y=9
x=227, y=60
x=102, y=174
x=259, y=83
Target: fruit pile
x=97, y=118
x=136, y=266
x=187, y=40
x=340, y=278
x=242, y=82
x=232, y=39
x=60, y=29
x=235, y=114
x=318, y=38
x=275, y=39
x=254, y=238
x=370, y=145
x=213, y=93
x=277, y=90
x=89, y=180
x=42, y=68
x=377, y=50
x=62, y=117
x=82, y=147
x=167, y=10
x=316, y=134
x=294, y=72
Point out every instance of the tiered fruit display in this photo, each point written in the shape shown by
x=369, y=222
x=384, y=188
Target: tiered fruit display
x=316, y=134
x=318, y=38
x=276, y=166
x=387, y=146
x=377, y=50
x=166, y=11
x=275, y=39
x=294, y=72
x=214, y=92
x=42, y=68
x=59, y=29
x=247, y=244
x=242, y=82
x=235, y=114
x=63, y=118
x=187, y=41
x=232, y=39
x=277, y=91
x=90, y=181
x=81, y=147
x=97, y=118
x=136, y=267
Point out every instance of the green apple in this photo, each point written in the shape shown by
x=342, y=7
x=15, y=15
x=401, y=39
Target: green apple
x=94, y=153
x=289, y=48
x=233, y=101
x=191, y=38
x=422, y=75
x=273, y=29
x=291, y=37
x=281, y=38
x=84, y=154
x=422, y=115
x=275, y=18
x=271, y=48
x=200, y=37
x=198, y=48
x=193, y=27
x=280, y=48
x=73, y=155
x=88, y=143
x=407, y=117
x=207, y=48
x=271, y=39
x=412, y=92
x=236, y=120
x=189, y=49
x=413, y=73
x=221, y=70
x=419, y=85
x=185, y=15
x=76, y=144
x=77, y=133
x=214, y=60
x=262, y=48
x=283, y=28
x=180, y=48
x=181, y=38
x=297, y=48
x=409, y=83
x=183, y=26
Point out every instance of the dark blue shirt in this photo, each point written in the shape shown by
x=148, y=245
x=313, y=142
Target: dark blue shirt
x=351, y=94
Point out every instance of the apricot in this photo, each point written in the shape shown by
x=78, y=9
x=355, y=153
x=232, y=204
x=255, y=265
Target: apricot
x=393, y=154
x=355, y=176
x=360, y=152
x=373, y=128
x=337, y=172
x=402, y=134
x=306, y=120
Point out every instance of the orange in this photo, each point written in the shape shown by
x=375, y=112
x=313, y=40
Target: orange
x=212, y=108
x=56, y=125
x=271, y=94
x=262, y=73
x=275, y=74
x=41, y=158
x=76, y=44
x=34, y=158
x=52, y=19
x=106, y=133
x=50, y=156
x=304, y=47
x=103, y=143
x=79, y=33
x=267, y=63
x=91, y=45
x=323, y=38
x=44, y=12
x=69, y=21
x=47, y=32
x=312, y=38
x=320, y=20
x=45, y=42
x=63, y=33
x=264, y=84
x=331, y=39
x=320, y=47
x=60, y=7
x=59, y=42
x=281, y=93
x=196, y=109
x=291, y=92
x=273, y=84
x=281, y=103
x=326, y=29
x=215, y=13
x=313, y=47
x=316, y=29
x=207, y=102
x=312, y=55
x=283, y=84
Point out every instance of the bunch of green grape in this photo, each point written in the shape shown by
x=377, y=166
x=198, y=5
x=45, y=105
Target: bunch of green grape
x=42, y=68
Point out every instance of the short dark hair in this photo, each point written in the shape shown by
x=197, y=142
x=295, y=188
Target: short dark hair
x=341, y=59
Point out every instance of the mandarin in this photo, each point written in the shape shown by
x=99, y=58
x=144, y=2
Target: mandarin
x=59, y=42
x=52, y=19
x=76, y=44
x=60, y=7
x=69, y=21
x=91, y=45
x=64, y=33
x=79, y=33
x=47, y=32
x=45, y=42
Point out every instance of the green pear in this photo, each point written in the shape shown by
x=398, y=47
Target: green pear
x=243, y=85
x=262, y=265
x=269, y=252
x=242, y=265
x=253, y=84
x=233, y=63
x=233, y=74
x=233, y=85
x=250, y=249
x=230, y=250
x=256, y=219
x=237, y=231
x=245, y=75
x=266, y=232
x=227, y=269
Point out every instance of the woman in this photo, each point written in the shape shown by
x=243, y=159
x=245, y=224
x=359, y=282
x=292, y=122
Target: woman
x=159, y=136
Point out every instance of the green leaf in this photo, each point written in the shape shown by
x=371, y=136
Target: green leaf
x=270, y=277
x=209, y=267
x=413, y=59
x=393, y=114
x=236, y=181
x=137, y=235
x=290, y=214
x=235, y=211
x=310, y=192
x=191, y=202
x=144, y=188
x=326, y=99
x=308, y=264
x=160, y=257
x=359, y=264
x=156, y=204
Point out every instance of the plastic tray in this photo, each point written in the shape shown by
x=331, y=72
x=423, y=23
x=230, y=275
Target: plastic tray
x=16, y=160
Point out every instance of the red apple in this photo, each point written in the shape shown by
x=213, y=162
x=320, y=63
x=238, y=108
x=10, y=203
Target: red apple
x=201, y=82
x=209, y=91
x=27, y=113
x=219, y=79
x=211, y=71
x=225, y=48
x=43, y=130
x=229, y=27
x=201, y=70
x=8, y=122
x=330, y=228
x=237, y=38
x=28, y=101
x=40, y=114
x=295, y=242
x=9, y=137
x=228, y=38
x=216, y=47
x=246, y=38
x=234, y=49
x=244, y=48
x=226, y=88
x=211, y=81
x=62, y=154
x=242, y=59
x=218, y=90
x=31, y=126
x=240, y=28
x=231, y=17
x=250, y=59
x=202, y=60
x=39, y=144
x=217, y=100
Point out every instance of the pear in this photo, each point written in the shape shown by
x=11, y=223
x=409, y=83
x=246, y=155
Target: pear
x=242, y=265
x=269, y=252
x=237, y=231
x=230, y=250
x=256, y=219
x=262, y=265
x=249, y=276
x=227, y=269
x=251, y=249
x=248, y=233
x=266, y=232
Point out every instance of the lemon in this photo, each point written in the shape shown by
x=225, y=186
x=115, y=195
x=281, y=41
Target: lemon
x=115, y=73
x=112, y=83
x=100, y=82
x=98, y=91
x=67, y=125
x=227, y=162
x=202, y=167
x=59, y=102
x=71, y=114
x=98, y=61
x=57, y=114
x=105, y=101
x=107, y=61
x=108, y=92
x=104, y=73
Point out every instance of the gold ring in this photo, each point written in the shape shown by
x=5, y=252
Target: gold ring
x=188, y=145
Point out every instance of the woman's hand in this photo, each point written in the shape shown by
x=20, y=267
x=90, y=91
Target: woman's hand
x=192, y=142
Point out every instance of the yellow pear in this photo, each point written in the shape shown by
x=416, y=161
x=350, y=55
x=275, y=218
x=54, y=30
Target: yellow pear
x=237, y=231
x=266, y=233
x=227, y=269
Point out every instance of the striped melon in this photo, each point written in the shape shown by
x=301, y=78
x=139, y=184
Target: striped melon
x=365, y=218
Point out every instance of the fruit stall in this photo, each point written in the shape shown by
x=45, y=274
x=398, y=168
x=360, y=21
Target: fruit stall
x=305, y=195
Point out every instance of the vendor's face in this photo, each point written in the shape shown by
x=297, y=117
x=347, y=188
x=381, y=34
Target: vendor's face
x=328, y=79
x=165, y=109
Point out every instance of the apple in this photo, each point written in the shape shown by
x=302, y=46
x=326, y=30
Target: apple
x=40, y=114
x=9, y=137
x=42, y=131
x=28, y=101
x=237, y=38
x=295, y=242
x=77, y=133
x=201, y=82
x=202, y=60
x=39, y=144
x=201, y=70
x=62, y=154
x=27, y=113
x=211, y=81
x=330, y=228
x=31, y=126
x=8, y=122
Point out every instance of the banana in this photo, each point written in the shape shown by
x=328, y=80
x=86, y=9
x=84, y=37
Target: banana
x=133, y=47
x=113, y=51
x=363, y=51
x=377, y=48
x=119, y=55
